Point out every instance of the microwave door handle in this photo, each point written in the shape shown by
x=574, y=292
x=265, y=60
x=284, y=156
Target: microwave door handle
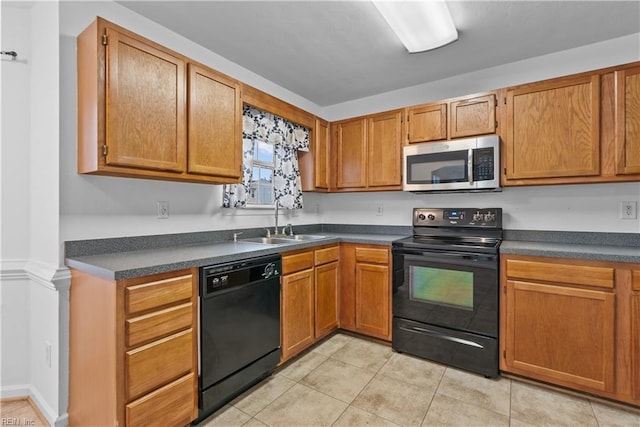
x=470, y=166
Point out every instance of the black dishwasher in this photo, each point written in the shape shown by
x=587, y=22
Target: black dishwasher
x=239, y=328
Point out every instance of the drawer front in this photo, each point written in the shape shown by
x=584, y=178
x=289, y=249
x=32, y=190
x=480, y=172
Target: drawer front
x=297, y=262
x=146, y=296
x=326, y=255
x=173, y=404
x=158, y=324
x=158, y=363
x=373, y=255
x=584, y=275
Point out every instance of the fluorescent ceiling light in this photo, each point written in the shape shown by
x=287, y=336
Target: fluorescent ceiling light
x=420, y=25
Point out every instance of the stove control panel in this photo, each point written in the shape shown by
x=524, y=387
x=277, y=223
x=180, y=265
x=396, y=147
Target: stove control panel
x=458, y=217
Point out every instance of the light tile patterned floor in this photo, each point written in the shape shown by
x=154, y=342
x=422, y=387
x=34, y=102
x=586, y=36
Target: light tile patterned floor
x=348, y=381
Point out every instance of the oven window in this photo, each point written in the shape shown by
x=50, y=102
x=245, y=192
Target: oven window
x=441, y=286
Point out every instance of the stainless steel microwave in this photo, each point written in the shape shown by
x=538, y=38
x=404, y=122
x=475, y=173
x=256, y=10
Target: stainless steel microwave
x=471, y=164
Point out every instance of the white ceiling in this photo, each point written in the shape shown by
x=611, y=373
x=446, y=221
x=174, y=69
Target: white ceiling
x=335, y=51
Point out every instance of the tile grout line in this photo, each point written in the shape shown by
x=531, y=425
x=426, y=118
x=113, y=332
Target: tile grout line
x=435, y=391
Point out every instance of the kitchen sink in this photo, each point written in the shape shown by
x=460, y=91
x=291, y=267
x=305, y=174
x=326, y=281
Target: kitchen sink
x=282, y=239
x=267, y=240
x=303, y=237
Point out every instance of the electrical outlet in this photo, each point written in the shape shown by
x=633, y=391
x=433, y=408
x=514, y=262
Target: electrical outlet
x=628, y=210
x=162, y=208
x=379, y=209
x=47, y=353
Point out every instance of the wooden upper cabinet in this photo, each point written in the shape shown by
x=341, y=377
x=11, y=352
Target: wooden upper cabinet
x=627, y=117
x=351, y=152
x=384, y=145
x=133, y=108
x=472, y=116
x=553, y=129
x=215, y=124
x=322, y=157
x=145, y=104
x=427, y=123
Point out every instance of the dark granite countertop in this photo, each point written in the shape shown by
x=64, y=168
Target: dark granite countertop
x=616, y=247
x=129, y=257
x=124, y=264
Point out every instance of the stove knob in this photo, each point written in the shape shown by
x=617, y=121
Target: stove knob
x=488, y=217
x=421, y=217
x=477, y=216
x=431, y=217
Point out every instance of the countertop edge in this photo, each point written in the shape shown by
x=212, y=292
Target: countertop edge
x=103, y=265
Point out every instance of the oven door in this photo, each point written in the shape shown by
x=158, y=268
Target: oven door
x=448, y=289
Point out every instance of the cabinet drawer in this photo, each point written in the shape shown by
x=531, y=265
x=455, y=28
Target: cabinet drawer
x=584, y=275
x=146, y=296
x=373, y=255
x=326, y=255
x=159, y=362
x=158, y=324
x=636, y=280
x=173, y=404
x=297, y=262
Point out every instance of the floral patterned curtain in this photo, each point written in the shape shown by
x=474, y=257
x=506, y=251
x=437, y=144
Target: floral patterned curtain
x=287, y=138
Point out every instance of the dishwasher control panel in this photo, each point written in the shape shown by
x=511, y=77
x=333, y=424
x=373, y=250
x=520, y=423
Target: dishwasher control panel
x=216, y=278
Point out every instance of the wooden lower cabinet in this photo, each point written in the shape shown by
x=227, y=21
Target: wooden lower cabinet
x=297, y=312
x=326, y=303
x=309, y=298
x=133, y=350
x=634, y=304
x=365, y=290
x=572, y=323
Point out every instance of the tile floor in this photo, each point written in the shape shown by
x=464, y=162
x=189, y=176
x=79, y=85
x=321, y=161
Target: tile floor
x=348, y=381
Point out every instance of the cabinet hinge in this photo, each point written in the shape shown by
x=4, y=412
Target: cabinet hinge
x=496, y=124
x=496, y=102
x=504, y=289
x=504, y=354
x=105, y=150
x=505, y=171
x=505, y=100
x=105, y=39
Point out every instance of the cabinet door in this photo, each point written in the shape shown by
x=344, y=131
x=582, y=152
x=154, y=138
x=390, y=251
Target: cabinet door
x=297, y=312
x=372, y=300
x=473, y=116
x=351, y=153
x=427, y=123
x=347, y=286
x=635, y=333
x=145, y=105
x=553, y=129
x=628, y=121
x=560, y=334
x=215, y=124
x=384, y=146
x=321, y=153
x=326, y=280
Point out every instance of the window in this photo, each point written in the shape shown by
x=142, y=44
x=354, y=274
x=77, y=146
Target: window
x=261, y=189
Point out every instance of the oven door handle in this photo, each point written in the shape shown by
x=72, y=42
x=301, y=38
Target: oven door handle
x=477, y=260
x=442, y=336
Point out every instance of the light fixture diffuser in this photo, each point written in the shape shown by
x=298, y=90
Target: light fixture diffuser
x=420, y=25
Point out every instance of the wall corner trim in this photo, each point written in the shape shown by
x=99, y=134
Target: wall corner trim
x=47, y=275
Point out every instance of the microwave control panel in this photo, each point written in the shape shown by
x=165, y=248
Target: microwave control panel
x=483, y=166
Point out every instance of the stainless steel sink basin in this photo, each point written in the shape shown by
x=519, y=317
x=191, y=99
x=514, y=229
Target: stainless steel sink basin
x=266, y=240
x=304, y=237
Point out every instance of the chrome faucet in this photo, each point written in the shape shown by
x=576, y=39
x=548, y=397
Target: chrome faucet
x=290, y=227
